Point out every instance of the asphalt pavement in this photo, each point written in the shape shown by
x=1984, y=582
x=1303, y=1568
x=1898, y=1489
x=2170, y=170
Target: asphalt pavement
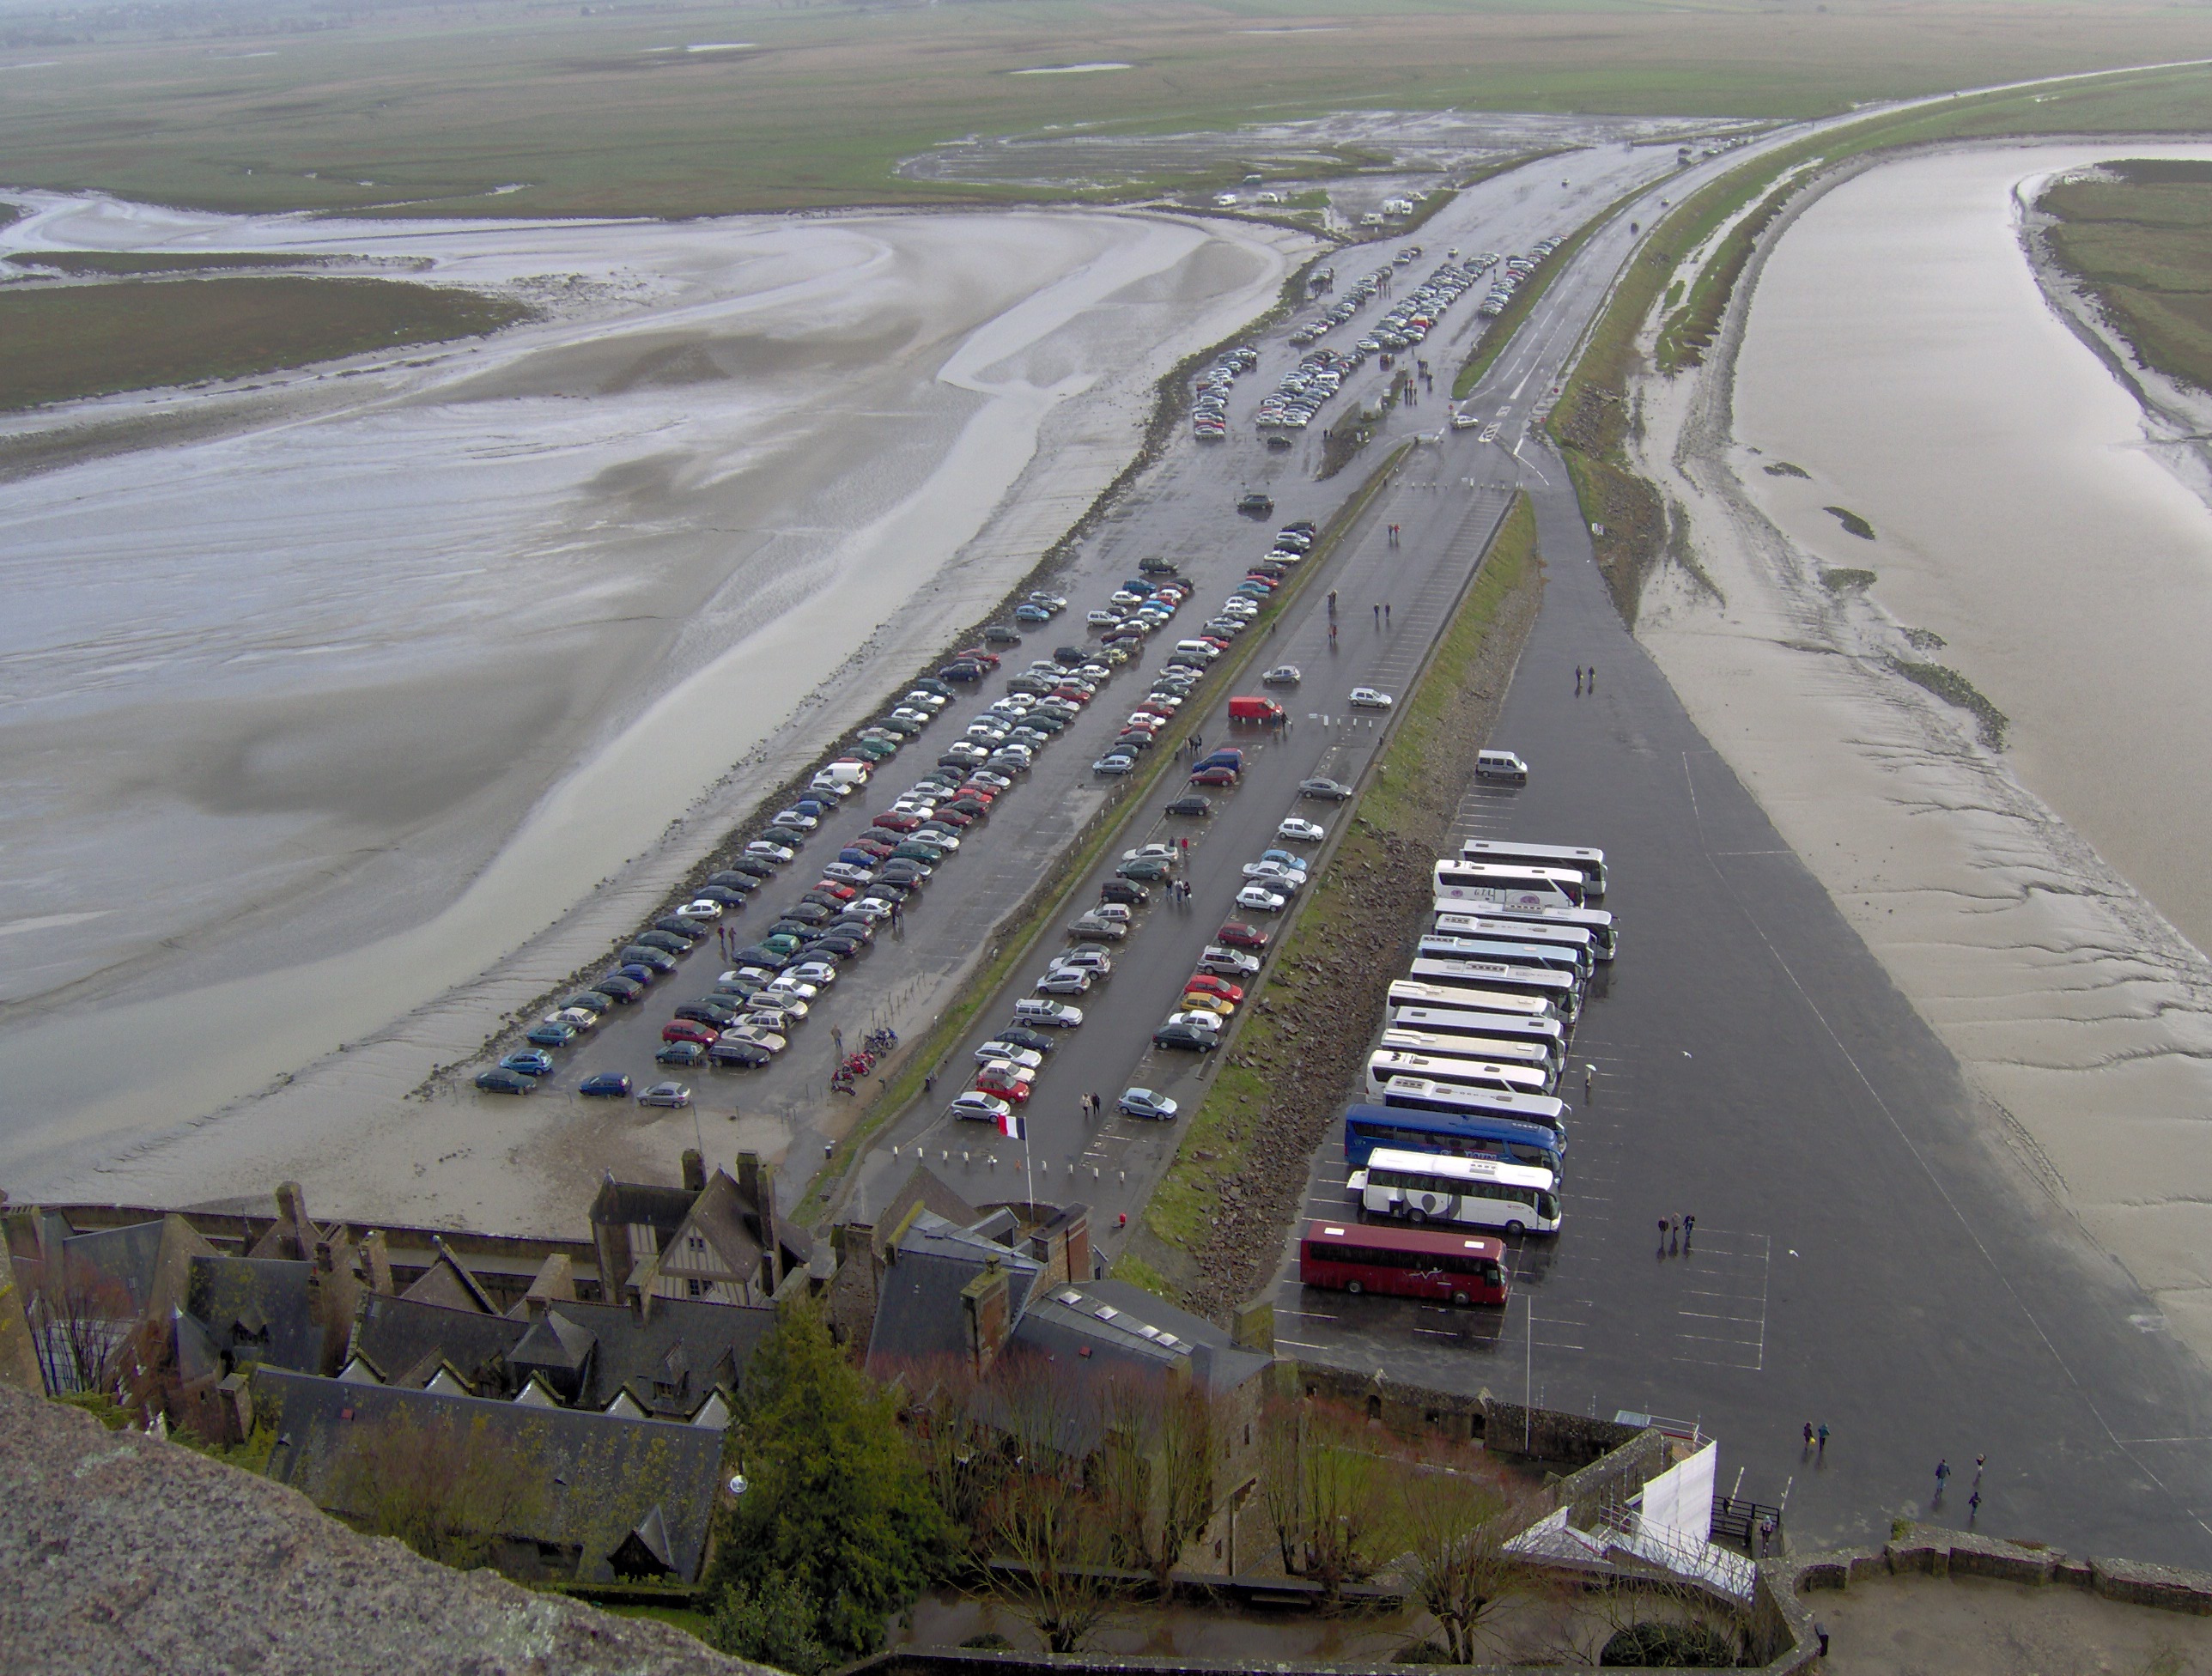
x=1868, y=1255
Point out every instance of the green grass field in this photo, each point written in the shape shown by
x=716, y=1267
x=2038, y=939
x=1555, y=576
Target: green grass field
x=419, y=110
x=92, y=340
x=2142, y=242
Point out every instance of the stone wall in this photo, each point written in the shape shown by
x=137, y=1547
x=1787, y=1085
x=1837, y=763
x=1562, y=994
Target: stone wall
x=126, y=1554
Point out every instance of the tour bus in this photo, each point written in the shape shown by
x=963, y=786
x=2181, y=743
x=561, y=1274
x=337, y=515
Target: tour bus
x=1515, y=928
x=1452, y=1071
x=1560, y=988
x=1597, y=921
x=1403, y=1262
x=1404, y=993
x=1419, y=1094
x=1462, y=1134
x=1573, y=959
x=1590, y=864
x=1487, y=881
x=1534, y=1055
x=1480, y=1192
x=1465, y=1024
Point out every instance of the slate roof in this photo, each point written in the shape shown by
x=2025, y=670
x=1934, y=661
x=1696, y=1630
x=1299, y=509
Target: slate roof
x=925, y=1188
x=121, y=1258
x=920, y=1321
x=597, y=1477
x=256, y=1309
x=397, y=1333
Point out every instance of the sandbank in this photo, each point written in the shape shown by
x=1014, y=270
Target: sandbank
x=2026, y=901
x=344, y=726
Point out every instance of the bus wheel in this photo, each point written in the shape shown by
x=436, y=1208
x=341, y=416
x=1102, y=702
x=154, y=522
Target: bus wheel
x=1459, y=1298
x=1513, y=1230
x=1418, y=1214
x=1354, y=1286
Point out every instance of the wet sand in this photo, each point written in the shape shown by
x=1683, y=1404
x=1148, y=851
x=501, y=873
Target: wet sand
x=356, y=723
x=2044, y=908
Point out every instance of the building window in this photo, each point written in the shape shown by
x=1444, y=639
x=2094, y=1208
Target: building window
x=691, y=1287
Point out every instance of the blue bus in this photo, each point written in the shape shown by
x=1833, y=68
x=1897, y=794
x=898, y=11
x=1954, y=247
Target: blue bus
x=1459, y=1135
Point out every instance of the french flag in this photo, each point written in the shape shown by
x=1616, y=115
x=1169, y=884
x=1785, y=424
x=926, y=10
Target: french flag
x=1011, y=1126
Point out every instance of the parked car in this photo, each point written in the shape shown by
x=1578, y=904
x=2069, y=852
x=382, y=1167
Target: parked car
x=979, y=1107
x=1001, y=1049
x=665, y=1094
x=1323, y=789
x=1187, y=1037
x=1192, y=805
x=1227, y=962
x=1371, y=698
x=1143, y=1102
x=680, y=1053
x=1238, y=934
x=1057, y=1014
x=528, y=1062
x=1207, y=983
x=495, y=1081
x=1299, y=831
x=549, y=1034
x=1261, y=899
x=1064, y=980
x=1091, y=924
x=606, y=1085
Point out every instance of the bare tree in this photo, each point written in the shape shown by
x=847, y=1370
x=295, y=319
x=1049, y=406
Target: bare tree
x=1043, y=1518
x=1282, y=1492
x=78, y=1317
x=1343, y=1503
x=1155, y=1471
x=1455, y=1526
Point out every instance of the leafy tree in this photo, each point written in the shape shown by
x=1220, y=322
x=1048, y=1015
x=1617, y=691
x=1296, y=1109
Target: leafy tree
x=771, y=1622
x=838, y=1504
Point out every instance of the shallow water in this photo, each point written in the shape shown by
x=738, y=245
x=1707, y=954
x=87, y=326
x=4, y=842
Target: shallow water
x=309, y=720
x=1900, y=350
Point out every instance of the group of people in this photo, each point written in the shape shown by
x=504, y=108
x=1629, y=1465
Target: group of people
x=1669, y=1227
x=1585, y=679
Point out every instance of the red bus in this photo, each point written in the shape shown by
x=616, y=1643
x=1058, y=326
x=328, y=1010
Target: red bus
x=1405, y=1262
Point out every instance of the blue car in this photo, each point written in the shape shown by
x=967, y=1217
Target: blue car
x=1031, y=614
x=505, y=1082
x=552, y=1035
x=607, y=1085
x=529, y=1063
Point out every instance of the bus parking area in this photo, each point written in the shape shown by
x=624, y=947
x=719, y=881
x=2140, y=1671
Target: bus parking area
x=1866, y=1254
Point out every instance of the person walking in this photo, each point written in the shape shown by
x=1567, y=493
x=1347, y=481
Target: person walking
x=1973, y=1505
x=1689, y=1227
x=1980, y=1461
x=1593, y=677
x=1378, y=616
x=1822, y=1437
x=1578, y=680
x=1665, y=1227
x=1942, y=1477
x=1386, y=612
x=928, y=1082
x=1809, y=1434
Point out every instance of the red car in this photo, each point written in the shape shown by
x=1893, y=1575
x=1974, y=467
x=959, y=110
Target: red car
x=1238, y=935
x=874, y=846
x=685, y=1030
x=1151, y=710
x=1214, y=777
x=830, y=887
x=1207, y=984
x=898, y=822
x=959, y=817
x=975, y=789
x=977, y=654
x=1071, y=694
x=1013, y=1090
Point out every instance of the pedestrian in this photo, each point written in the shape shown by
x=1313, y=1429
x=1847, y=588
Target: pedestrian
x=1378, y=616
x=1973, y=1504
x=1689, y=1227
x=1980, y=1461
x=1809, y=1434
x=1097, y=1105
x=838, y=1040
x=1823, y=1437
x=1664, y=1226
x=1386, y=613
x=1942, y=1477
x=1593, y=677
x=928, y=1082
x=1766, y=1528
x=1123, y=1220
x=1578, y=680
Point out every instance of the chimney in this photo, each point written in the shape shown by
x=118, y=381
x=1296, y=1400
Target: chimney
x=292, y=1209
x=757, y=1187
x=694, y=1170
x=555, y=1284
x=1255, y=1327
x=987, y=1315
x=1063, y=1247
x=376, y=1264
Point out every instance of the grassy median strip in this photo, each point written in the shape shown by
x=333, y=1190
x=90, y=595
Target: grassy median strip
x=1509, y=321
x=1109, y=826
x=1285, y=1068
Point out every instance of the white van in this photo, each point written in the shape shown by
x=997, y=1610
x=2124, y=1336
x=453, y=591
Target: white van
x=1500, y=765
x=1200, y=649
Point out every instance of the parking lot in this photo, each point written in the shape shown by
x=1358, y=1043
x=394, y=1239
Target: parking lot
x=1868, y=1255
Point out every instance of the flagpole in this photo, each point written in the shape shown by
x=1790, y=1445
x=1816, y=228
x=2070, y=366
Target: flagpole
x=1026, y=1175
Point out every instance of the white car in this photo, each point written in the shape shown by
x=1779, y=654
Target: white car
x=1228, y=962
x=1027, y=1059
x=819, y=973
x=1260, y=898
x=1167, y=853
x=1197, y=1021
x=1369, y=698
x=1117, y=911
x=1008, y=1069
x=701, y=909
x=931, y=703
x=1302, y=832
x=798, y=818
x=580, y=1018
x=979, y=1106
x=781, y=1001
x=1276, y=876
x=753, y=1035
